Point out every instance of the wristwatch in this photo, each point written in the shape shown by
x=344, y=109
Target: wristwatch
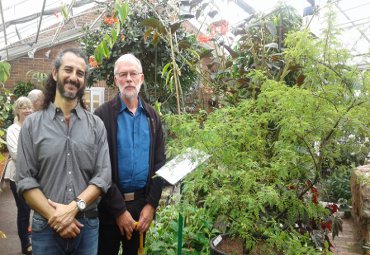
x=81, y=204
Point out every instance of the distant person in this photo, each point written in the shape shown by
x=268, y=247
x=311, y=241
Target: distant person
x=22, y=108
x=136, y=146
x=37, y=98
x=63, y=163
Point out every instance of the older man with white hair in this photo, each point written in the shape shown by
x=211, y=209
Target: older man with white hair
x=37, y=98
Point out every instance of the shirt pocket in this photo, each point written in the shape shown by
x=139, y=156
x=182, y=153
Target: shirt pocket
x=86, y=156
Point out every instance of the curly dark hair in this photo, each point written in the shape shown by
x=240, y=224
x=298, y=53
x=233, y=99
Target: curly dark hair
x=51, y=84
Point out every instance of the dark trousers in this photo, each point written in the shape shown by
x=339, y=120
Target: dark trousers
x=110, y=236
x=23, y=217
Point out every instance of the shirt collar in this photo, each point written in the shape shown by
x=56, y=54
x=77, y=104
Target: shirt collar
x=53, y=110
x=124, y=107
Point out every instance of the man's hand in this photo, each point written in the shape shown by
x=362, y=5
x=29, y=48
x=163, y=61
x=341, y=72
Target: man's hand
x=63, y=215
x=126, y=224
x=146, y=218
x=71, y=231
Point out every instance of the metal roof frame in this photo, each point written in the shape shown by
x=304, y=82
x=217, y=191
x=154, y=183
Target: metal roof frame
x=16, y=40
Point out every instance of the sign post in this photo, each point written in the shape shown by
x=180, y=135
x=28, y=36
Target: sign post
x=175, y=170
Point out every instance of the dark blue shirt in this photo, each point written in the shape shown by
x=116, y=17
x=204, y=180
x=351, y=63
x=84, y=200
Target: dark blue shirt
x=133, y=148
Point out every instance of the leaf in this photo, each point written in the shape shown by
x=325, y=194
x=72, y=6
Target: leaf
x=64, y=12
x=232, y=52
x=155, y=38
x=106, y=51
x=108, y=40
x=271, y=28
x=118, y=28
x=187, y=16
x=114, y=36
x=98, y=54
x=184, y=44
x=4, y=71
x=206, y=53
x=175, y=26
x=165, y=68
x=148, y=33
x=152, y=22
x=271, y=45
x=168, y=76
x=212, y=14
x=122, y=10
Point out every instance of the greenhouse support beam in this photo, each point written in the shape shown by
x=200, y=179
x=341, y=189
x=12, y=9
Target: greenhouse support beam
x=39, y=26
x=46, y=12
x=354, y=24
x=2, y=18
x=62, y=22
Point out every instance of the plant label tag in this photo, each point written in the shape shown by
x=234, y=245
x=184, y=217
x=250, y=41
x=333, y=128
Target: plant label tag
x=217, y=240
x=181, y=165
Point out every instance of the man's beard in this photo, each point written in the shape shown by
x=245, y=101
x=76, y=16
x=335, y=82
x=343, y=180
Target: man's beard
x=69, y=95
x=130, y=94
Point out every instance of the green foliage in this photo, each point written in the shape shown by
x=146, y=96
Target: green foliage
x=133, y=38
x=6, y=115
x=4, y=71
x=268, y=152
x=338, y=185
x=258, y=46
x=37, y=77
x=197, y=231
x=22, y=88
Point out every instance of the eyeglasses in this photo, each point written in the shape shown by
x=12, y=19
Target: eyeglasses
x=26, y=108
x=124, y=75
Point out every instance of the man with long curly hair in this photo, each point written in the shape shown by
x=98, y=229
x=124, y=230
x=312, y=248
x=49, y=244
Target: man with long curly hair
x=63, y=163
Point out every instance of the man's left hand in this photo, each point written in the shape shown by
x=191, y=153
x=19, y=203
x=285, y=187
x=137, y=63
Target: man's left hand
x=63, y=216
x=146, y=218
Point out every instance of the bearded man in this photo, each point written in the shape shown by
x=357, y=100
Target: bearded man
x=137, y=151
x=63, y=163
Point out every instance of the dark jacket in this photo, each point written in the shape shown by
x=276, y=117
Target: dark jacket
x=112, y=204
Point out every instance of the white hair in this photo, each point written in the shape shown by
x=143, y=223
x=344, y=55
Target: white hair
x=128, y=58
x=35, y=94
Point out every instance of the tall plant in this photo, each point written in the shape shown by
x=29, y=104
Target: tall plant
x=153, y=52
x=5, y=104
x=269, y=152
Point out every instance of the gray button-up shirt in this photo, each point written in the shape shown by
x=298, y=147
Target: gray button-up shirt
x=62, y=161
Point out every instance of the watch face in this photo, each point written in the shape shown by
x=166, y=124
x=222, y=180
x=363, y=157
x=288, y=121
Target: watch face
x=81, y=205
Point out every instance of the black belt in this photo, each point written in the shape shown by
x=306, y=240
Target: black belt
x=88, y=214
x=133, y=195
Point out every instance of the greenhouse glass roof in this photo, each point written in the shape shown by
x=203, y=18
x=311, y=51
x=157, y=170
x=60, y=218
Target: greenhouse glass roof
x=30, y=25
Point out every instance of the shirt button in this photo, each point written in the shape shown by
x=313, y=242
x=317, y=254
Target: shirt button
x=69, y=189
x=61, y=120
x=69, y=172
x=68, y=154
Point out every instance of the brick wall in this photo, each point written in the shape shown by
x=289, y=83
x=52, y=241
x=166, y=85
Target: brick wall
x=20, y=66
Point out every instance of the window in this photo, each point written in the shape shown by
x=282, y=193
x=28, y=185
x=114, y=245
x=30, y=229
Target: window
x=93, y=98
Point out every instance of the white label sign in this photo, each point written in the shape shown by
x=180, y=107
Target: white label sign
x=181, y=165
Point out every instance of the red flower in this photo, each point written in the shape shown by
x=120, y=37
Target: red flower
x=315, y=195
x=110, y=20
x=93, y=62
x=326, y=225
x=203, y=38
x=332, y=207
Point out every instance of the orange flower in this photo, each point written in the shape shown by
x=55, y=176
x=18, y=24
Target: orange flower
x=93, y=62
x=109, y=20
x=123, y=37
x=203, y=38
